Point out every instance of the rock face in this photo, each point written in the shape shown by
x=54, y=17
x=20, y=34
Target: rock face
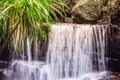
x=88, y=11
x=115, y=12
x=114, y=50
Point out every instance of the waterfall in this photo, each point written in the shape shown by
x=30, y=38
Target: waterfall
x=72, y=49
x=75, y=52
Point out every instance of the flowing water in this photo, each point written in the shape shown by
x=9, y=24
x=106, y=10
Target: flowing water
x=75, y=52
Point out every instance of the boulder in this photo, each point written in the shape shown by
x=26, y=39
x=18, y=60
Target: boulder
x=87, y=9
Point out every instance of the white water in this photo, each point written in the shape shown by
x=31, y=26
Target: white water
x=29, y=50
x=75, y=52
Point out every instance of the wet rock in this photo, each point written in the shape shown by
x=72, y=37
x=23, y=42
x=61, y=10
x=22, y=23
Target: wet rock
x=114, y=50
x=113, y=76
x=3, y=76
x=68, y=20
x=4, y=64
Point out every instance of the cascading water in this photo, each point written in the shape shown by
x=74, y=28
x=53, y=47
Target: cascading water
x=75, y=52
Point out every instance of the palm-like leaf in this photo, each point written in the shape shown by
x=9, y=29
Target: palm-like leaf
x=28, y=14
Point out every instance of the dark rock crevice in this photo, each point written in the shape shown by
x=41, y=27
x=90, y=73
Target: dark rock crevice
x=114, y=50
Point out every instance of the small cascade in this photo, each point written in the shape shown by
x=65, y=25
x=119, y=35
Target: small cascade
x=36, y=51
x=29, y=50
x=75, y=52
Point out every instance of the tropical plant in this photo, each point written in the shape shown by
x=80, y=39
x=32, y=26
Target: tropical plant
x=21, y=19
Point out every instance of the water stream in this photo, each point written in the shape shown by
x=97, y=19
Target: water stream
x=75, y=52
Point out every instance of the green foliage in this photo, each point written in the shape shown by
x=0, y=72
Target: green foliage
x=27, y=17
x=113, y=7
